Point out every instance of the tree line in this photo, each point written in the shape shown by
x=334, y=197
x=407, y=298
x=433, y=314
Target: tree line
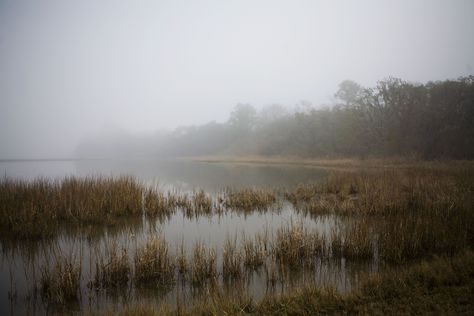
x=393, y=118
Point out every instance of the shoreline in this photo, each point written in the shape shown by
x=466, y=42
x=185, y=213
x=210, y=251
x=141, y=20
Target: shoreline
x=336, y=163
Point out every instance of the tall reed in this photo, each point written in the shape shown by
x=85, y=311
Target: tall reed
x=112, y=269
x=60, y=283
x=154, y=266
x=204, y=265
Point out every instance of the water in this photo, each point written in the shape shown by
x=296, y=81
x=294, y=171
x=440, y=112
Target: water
x=181, y=174
x=21, y=261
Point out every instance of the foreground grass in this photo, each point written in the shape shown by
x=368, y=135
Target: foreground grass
x=390, y=215
x=438, y=286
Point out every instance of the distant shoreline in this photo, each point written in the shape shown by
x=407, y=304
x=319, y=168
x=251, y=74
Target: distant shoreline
x=339, y=163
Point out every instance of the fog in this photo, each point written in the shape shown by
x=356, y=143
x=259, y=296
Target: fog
x=71, y=70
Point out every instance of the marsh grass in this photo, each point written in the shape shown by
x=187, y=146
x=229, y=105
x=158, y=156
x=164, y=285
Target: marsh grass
x=437, y=286
x=158, y=204
x=60, y=281
x=202, y=203
x=295, y=246
x=393, y=217
x=112, y=268
x=248, y=200
x=154, y=265
x=35, y=209
x=413, y=212
x=182, y=261
x=254, y=251
x=415, y=236
x=358, y=241
x=231, y=261
x=203, y=268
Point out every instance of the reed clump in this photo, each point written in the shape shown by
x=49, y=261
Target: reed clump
x=249, y=199
x=182, y=261
x=157, y=204
x=35, y=209
x=201, y=203
x=112, y=270
x=296, y=246
x=358, y=241
x=203, y=268
x=231, y=261
x=154, y=266
x=254, y=251
x=60, y=284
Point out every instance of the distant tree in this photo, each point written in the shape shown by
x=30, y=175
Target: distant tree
x=348, y=92
x=271, y=113
x=243, y=117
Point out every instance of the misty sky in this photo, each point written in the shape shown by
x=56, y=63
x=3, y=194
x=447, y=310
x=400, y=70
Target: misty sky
x=70, y=69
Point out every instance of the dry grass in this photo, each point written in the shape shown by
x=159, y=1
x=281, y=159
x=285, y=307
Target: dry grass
x=358, y=241
x=391, y=216
x=37, y=208
x=295, y=246
x=182, y=261
x=157, y=204
x=112, y=269
x=60, y=282
x=154, y=265
x=231, y=261
x=204, y=265
x=440, y=286
x=202, y=203
x=248, y=200
x=254, y=251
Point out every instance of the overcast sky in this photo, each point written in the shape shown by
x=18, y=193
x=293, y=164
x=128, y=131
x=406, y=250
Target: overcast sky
x=72, y=68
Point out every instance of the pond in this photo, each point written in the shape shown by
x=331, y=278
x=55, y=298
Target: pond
x=24, y=262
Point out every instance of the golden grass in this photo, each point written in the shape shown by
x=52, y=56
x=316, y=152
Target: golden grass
x=254, y=250
x=358, y=241
x=112, y=268
x=158, y=204
x=154, y=265
x=248, y=200
x=37, y=208
x=231, y=260
x=60, y=283
x=394, y=216
x=439, y=286
x=203, y=268
x=295, y=246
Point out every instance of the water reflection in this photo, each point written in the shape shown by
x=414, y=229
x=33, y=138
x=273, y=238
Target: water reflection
x=182, y=174
x=22, y=262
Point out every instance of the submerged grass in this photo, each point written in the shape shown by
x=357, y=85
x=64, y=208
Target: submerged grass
x=295, y=246
x=390, y=216
x=203, y=268
x=254, y=251
x=112, y=269
x=437, y=286
x=60, y=283
x=154, y=265
x=231, y=261
x=157, y=204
